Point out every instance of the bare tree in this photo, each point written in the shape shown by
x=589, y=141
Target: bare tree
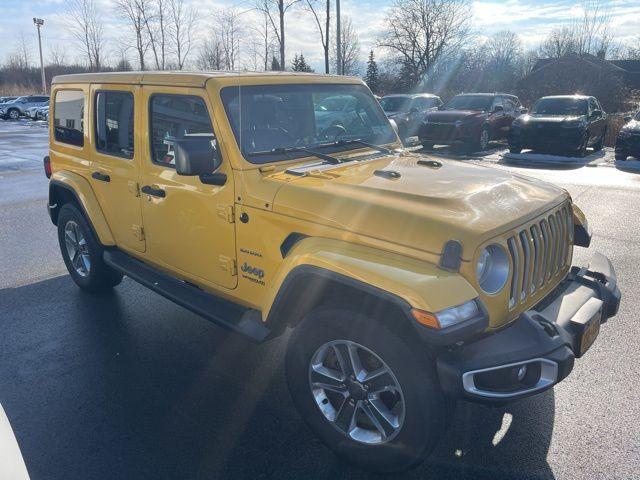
x=20, y=58
x=229, y=30
x=559, y=42
x=275, y=11
x=86, y=26
x=211, y=55
x=182, y=23
x=350, y=46
x=323, y=23
x=588, y=34
x=504, y=60
x=154, y=17
x=263, y=43
x=418, y=33
x=57, y=55
x=132, y=12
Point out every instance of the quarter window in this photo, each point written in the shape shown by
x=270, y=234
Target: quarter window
x=68, y=117
x=114, y=123
x=174, y=117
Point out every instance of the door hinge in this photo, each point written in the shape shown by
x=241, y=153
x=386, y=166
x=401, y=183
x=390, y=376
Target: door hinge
x=138, y=232
x=226, y=212
x=134, y=188
x=228, y=264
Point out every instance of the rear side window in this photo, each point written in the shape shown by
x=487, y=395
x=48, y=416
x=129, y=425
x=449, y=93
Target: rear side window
x=68, y=119
x=114, y=123
x=174, y=117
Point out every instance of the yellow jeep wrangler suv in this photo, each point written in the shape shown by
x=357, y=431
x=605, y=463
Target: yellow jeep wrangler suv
x=407, y=282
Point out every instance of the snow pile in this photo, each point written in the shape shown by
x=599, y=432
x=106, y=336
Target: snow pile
x=593, y=158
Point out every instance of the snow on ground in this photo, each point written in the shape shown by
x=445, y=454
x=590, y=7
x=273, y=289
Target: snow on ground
x=23, y=144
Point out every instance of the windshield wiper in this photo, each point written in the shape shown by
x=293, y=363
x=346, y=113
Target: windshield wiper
x=355, y=141
x=322, y=156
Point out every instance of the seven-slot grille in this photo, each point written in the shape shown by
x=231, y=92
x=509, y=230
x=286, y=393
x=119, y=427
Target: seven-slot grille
x=539, y=252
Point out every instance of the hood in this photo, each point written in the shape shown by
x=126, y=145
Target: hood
x=632, y=126
x=423, y=208
x=450, y=116
x=548, y=119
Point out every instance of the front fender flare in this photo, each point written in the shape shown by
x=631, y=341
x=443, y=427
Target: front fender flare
x=406, y=282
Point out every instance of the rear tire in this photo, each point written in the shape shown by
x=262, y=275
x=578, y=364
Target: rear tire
x=621, y=156
x=419, y=420
x=600, y=144
x=515, y=149
x=82, y=252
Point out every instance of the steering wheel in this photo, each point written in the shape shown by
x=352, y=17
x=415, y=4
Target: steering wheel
x=334, y=131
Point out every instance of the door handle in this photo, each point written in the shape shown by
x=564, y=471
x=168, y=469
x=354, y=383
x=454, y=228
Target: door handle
x=155, y=192
x=101, y=176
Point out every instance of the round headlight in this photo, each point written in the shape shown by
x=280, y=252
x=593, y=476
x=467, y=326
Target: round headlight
x=492, y=269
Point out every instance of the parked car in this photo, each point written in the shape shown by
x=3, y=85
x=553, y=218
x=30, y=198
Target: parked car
x=628, y=140
x=18, y=107
x=409, y=110
x=470, y=121
x=34, y=112
x=402, y=283
x=335, y=111
x=561, y=125
x=41, y=113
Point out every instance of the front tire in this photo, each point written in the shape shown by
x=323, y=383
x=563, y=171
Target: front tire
x=13, y=114
x=515, y=149
x=368, y=394
x=82, y=253
x=600, y=144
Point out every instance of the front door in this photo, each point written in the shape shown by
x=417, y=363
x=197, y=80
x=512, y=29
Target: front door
x=115, y=161
x=188, y=225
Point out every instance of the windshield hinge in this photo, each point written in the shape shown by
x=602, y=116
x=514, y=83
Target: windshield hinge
x=228, y=264
x=226, y=212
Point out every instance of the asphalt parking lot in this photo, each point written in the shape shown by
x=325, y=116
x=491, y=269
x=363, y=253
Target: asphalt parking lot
x=130, y=386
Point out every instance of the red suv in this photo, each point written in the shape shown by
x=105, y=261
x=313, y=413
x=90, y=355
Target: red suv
x=470, y=121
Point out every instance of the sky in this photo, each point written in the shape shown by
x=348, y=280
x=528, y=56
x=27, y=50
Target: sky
x=531, y=19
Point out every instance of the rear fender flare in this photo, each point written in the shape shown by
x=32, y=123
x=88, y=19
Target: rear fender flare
x=66, y=186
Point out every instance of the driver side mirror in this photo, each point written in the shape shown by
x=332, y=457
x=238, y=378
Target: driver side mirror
x=596, y=113
x=198, y=157
x=498, y=108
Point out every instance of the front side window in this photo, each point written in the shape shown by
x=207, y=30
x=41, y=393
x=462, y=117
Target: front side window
x=174, y=117
x=114, y=123
x=68, y=117
x=269, y=119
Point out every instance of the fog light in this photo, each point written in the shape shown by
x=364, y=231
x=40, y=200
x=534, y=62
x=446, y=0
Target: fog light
x=522, y=371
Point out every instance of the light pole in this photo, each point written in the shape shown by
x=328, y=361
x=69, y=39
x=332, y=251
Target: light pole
x=39, y=22
x=338, y=39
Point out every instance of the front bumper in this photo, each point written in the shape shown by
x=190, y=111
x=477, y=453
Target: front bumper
x=446, y=133
x=552, y=138
x=628, y=145
x=538, y=349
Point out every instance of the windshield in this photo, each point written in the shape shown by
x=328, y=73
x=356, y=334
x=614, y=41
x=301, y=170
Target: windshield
x=394, y=104
x=269, y=117
x=469, y=102
x=560, y=106
x=637, y=117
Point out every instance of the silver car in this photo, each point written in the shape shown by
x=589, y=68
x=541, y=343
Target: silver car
x=34, y=112
x=18, y=107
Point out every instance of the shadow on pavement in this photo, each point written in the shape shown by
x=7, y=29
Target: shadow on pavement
x=129, y=385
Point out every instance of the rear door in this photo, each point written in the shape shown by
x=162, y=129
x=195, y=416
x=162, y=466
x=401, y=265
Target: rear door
x=189, y=225
x=498, y=119
x=115, y=161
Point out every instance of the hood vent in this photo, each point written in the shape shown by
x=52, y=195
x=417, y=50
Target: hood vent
x=390, y=174
x=430, y=163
